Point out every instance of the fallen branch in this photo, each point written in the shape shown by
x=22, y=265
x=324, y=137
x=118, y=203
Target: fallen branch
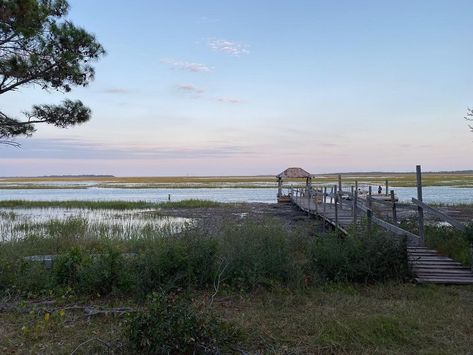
x=89, y=341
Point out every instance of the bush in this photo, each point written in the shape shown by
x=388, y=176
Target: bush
x=170, y=324
x=259, y=254
x=106, y=273
x=450, y=241
x=68, y=267
x=183, y=261
x=360, y=257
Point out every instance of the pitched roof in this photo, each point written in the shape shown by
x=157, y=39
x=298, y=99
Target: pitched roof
x=292, y=173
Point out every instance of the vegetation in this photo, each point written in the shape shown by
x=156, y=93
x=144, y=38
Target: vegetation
x=39, y=47
x=243, y=256
x=460, y=179
x=386, y=318
x=451, y=242
x=361, y=257
x=172, y=324
x=109, y=205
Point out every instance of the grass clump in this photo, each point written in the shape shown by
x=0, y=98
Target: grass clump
x=361, y=256
x=110, y=205
x=451, y=242
x=171, y=324
x=241, y=256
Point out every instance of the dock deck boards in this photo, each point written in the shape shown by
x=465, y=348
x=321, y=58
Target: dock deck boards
x=427, y=264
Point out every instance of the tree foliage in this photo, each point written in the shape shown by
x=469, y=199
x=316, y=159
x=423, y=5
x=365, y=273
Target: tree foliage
x=39, y=47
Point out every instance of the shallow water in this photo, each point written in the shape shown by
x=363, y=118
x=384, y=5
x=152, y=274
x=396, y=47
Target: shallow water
x=437, y=194
x=17, y=223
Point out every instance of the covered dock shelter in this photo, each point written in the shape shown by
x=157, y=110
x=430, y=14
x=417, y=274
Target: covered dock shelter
x=292, y=173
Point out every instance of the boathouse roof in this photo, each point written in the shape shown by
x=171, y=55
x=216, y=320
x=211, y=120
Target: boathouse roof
x=294, y=173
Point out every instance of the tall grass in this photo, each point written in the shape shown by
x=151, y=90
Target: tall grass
x=111, y=205
x=241, y=256
x=451, y=242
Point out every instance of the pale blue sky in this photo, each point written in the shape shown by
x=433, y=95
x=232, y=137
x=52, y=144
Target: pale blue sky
x=252, y=87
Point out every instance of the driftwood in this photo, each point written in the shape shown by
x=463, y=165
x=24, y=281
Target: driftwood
x=42, y=307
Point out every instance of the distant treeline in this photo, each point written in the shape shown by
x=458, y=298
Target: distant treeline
x=64, y=176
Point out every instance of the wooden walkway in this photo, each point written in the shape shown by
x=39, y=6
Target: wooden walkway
x=341, y=209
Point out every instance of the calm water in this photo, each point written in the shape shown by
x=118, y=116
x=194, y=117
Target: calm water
x=442, y=194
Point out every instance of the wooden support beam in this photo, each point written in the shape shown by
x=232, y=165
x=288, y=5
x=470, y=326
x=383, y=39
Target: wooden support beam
x=336, y=206
x=369, y=212
x=355, y=202
x=439, y=214
x=393, y=201
x=420, y=210
x=388, y=226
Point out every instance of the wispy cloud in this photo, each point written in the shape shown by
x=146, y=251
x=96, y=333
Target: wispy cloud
x=183, y=65
x=229, y=47
x=189, y=88
x=229, y=100
x=116, y=91
x=206, y=19
x=77, y=148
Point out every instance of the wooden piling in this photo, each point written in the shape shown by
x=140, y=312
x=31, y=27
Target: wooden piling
x=393, y=202
x=355, y=202
x=336, y=207
x=369, y=212
x=420, y=210
x=387, y=188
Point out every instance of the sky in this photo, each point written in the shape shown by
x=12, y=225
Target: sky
x=253, y=87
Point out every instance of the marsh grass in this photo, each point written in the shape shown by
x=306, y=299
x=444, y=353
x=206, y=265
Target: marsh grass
x=445, y=239
x=461, y=179
x=240, y=255
x=110, y=205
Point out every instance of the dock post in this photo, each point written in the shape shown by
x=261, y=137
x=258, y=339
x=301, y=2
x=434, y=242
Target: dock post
x=336, y=208
x=369, y=212
x=352, y=194
x=355, y=202
x=325, y=199
x=308, y=200
x=387, y=188
x=420, y=210
x=340, y=190
x=393, y=201
x=315, y=201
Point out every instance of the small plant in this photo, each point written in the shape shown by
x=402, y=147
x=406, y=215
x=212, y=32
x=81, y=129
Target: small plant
x=172, y=325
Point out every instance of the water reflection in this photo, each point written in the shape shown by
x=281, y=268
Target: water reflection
x=17, y=223
x=438, y=194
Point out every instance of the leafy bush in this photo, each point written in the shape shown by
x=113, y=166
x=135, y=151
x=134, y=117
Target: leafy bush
x=450, y=241
x=256, y=254
x=181, y=261
x=68, y=267
x=360, y=257
x=171, y=324
x=106, y=273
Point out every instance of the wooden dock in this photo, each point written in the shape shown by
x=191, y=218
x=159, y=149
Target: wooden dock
x=342, y=208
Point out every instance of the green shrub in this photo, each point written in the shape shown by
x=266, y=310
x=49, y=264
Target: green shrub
x=106, y=273
x=450, y=241
x=172, y=325
x=25, y=277
x=185, y=261
x=360, y=257
x=259, y=254
x=68, y=267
